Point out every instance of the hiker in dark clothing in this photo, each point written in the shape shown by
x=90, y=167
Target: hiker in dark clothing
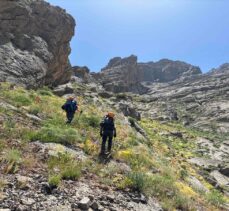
x=70, y=107
x=107, y=131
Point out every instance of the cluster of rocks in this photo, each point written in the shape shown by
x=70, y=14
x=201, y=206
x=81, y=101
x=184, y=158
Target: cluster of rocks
x=31, y=191
x=214, y=159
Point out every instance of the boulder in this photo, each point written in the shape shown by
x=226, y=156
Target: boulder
x=225, y=170
x=63, y=89
x=34, y=43
x=129, y=111
x=220, y=179
x=83, y=73
x=85, y=203
x=197, y=185
x=205, y=163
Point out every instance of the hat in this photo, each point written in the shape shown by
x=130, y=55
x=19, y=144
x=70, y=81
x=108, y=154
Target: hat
x=111, y=114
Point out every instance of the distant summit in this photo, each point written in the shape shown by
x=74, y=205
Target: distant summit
x=126, y=74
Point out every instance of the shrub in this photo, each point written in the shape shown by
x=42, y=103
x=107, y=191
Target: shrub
x=35, y=110
x=13, y=159
x=138, y=181
x=57, y=135
x=216, y=198
x=13, y=155
x=71, y=172
x=67, y=167
x=131, y=121
x=90, y=148
x=54, y=180
x=21, y=100
x=45, y=91
x=92, y=121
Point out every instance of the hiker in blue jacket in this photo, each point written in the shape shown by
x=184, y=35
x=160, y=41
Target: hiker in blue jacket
x=70, y=107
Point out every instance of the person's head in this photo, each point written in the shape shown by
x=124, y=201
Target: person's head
x=111, y=115
x=70, y=98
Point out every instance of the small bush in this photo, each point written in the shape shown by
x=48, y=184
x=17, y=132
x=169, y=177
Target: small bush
x=35, y=110
x=57, y=135
x=54, y=180
x=90, y=148
x=71, y=172
x=66, y=166
x=45, y=91
x=131, y=121
x=13, y=159
x=92, y=121
x=216, y=198
x=138, y=181
x=13, y=155
x=22, y=100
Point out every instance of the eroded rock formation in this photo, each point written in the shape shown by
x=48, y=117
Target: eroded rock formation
x=126, y=75
x=34, y=43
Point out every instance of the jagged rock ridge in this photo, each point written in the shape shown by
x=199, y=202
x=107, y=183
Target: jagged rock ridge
x=34, y=43
x=126, y=75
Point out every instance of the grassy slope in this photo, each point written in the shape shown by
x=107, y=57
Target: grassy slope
x=158, y=164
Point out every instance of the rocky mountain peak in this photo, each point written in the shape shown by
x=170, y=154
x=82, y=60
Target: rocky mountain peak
x=118, y=61
x=124, y=72
x=224, y=68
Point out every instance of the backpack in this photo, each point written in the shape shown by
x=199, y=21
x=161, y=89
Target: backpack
x=70, y=106
x=73, y=106
x=107, y=124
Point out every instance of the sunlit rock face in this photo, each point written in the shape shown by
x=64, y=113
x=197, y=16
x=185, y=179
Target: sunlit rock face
x=34, y=43
x=126, y=74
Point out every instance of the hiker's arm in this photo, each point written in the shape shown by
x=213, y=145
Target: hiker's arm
x=101, y=129
x=63, y=107
x=115, y=132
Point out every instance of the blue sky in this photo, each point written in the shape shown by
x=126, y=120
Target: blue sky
x=195, y=31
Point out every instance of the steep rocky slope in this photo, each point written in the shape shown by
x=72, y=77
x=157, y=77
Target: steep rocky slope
x=47, y=165
x=200, y=101
x=34, y=43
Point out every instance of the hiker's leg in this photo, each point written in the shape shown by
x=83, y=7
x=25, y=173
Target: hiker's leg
x=70, y=117
x=103, y=147
x=110, y=143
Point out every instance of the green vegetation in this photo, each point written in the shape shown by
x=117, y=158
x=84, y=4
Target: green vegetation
x=216, y=198
x=156, y=166
x=68, y=168
x=59, y=135
x=13, y=160
x=54, y=180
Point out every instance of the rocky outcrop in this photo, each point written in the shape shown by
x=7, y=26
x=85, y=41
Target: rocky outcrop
x=121, y=75
x=83, y=73
x=126, y=75
x=166, y=70
x=34, y=43
x=199, y=101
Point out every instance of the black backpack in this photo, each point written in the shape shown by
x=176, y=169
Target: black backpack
x=107, y=124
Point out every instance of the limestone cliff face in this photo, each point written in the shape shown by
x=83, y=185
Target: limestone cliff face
x=166, y=70
x=34, y=43
x=126, y=75
x=121, y=75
